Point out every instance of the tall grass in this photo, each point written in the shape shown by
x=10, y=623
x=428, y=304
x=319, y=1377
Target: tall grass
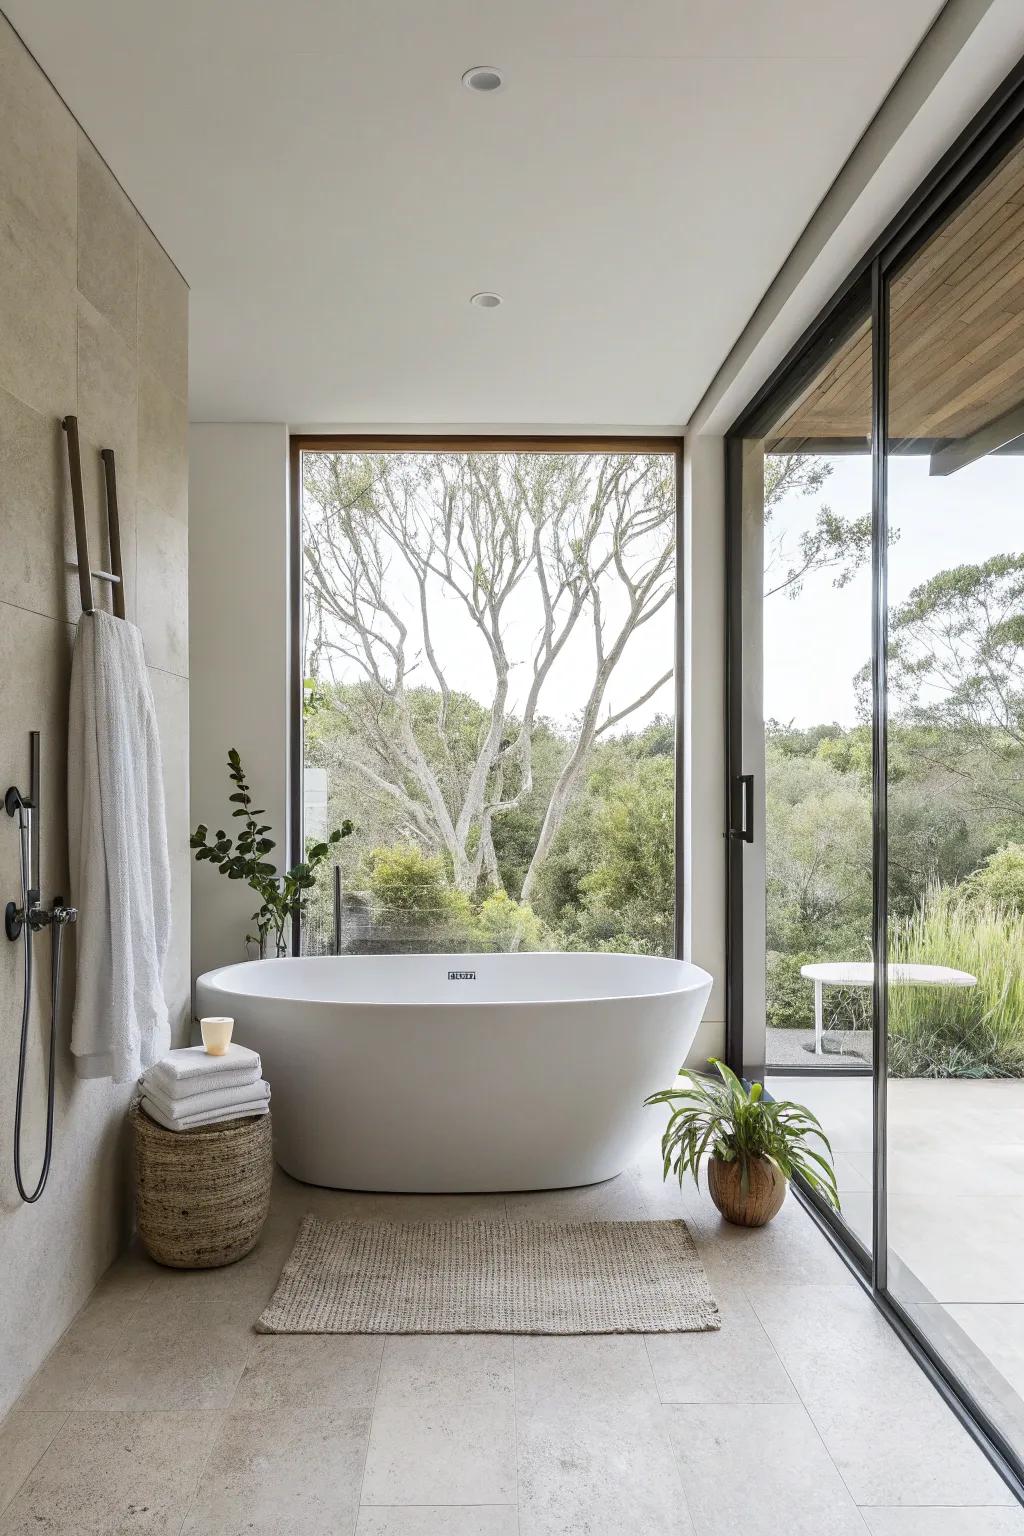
x=959, y=1031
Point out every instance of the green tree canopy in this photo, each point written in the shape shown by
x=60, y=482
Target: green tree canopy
x=956, y=676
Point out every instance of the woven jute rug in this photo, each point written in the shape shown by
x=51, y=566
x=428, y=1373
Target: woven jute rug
x=492, y=1277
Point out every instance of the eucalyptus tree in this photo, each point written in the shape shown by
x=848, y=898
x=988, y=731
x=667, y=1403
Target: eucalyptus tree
x=544, y=559
x=956, y=677
x=832, y=542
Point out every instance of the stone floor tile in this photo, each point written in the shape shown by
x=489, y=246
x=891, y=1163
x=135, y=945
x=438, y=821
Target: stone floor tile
x=759, y=1470
x=738, y=1364
x=23, y=1439
x=945, y=1522
x=110, y=1474
x=443, y=1422
x=283, y=1472
x=593, y=1446
x=888, y=1431
x=438, y=1520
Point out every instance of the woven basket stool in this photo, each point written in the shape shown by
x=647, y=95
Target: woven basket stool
x=202, y=1194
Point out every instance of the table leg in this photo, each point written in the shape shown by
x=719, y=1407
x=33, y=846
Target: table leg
x=818, y=1019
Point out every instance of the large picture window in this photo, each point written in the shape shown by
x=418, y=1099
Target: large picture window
x=488, y=693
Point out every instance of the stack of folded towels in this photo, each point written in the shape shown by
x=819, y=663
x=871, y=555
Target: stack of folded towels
x=189, y=1087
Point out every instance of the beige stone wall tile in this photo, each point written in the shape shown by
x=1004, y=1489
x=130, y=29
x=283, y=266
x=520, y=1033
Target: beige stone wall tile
x=163, y=447
x=108, y=244
x=38, y=322
x=163, y=316
x=37, y=158
x=162, y=588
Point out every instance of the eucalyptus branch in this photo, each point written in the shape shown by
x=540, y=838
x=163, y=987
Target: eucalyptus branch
x=282, y=897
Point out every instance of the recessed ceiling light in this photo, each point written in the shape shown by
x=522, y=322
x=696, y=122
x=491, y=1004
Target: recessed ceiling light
x=483, y=77
x=486, y=300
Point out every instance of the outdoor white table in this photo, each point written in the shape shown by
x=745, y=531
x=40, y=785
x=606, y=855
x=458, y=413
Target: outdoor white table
x=861, y=973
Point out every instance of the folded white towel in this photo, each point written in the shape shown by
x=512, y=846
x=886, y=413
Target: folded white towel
x=199, y=1103
x=192, y=1070
x=210, y=1117
x=117, y=846
x=187, y=1088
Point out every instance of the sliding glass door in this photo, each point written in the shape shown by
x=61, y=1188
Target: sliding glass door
x=955, y=787
x=876, y=760
x=805, y=862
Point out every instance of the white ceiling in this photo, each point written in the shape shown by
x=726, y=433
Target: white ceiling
x=334, y=195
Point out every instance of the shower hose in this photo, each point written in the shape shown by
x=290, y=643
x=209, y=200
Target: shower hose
x=56, y=939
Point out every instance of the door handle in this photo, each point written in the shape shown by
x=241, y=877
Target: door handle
x=745, y=830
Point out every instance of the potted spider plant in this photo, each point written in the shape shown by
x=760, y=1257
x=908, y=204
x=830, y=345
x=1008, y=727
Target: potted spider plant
x=754, y=1145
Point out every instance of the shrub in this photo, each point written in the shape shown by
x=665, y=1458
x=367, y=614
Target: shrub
x=818, y=856
x=999, y=881
x=414, y=906
x=504, y=926
x=413, y=900
x=609, y=880
x=959, y=1031
x=629, y=894
x=790, y=996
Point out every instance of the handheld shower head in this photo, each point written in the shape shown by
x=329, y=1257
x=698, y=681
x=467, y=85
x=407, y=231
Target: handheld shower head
x=34, y=806
x=26, y=808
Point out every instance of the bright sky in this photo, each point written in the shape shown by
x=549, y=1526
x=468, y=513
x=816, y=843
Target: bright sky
x=467, y=664
x=815, y=644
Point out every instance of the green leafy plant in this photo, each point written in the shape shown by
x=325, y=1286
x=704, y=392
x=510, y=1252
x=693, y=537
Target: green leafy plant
x=738, y=1124
x=973, y=1031
x=245, y=858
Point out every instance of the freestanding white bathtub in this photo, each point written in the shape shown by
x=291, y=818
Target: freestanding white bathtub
x=457, y=1073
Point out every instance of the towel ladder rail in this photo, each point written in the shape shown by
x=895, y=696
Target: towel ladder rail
x=86, y=574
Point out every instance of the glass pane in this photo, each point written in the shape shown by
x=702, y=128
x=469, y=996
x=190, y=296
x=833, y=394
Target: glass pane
x=956, y=791
x=489, y=698
x=816, y=597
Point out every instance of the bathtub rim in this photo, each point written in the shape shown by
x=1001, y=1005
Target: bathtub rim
x=700, y=978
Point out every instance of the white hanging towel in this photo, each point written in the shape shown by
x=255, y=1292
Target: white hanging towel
x=120, y=876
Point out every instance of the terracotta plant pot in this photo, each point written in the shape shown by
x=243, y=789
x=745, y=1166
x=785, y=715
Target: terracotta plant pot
x=764, y=1197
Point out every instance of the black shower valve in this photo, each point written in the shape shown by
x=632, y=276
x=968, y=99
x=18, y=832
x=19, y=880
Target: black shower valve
x=38, y=917
x=13, y=921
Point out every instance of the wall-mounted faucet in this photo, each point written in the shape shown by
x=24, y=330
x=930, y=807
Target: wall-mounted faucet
x=22, y=922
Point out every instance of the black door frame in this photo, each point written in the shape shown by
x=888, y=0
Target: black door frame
x=994, y=131
x=375, y=442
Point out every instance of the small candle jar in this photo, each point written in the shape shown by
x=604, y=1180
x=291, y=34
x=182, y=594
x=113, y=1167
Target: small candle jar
x=216, y=1035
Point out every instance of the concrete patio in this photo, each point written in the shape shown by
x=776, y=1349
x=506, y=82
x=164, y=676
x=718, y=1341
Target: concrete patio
x=955, y=1213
